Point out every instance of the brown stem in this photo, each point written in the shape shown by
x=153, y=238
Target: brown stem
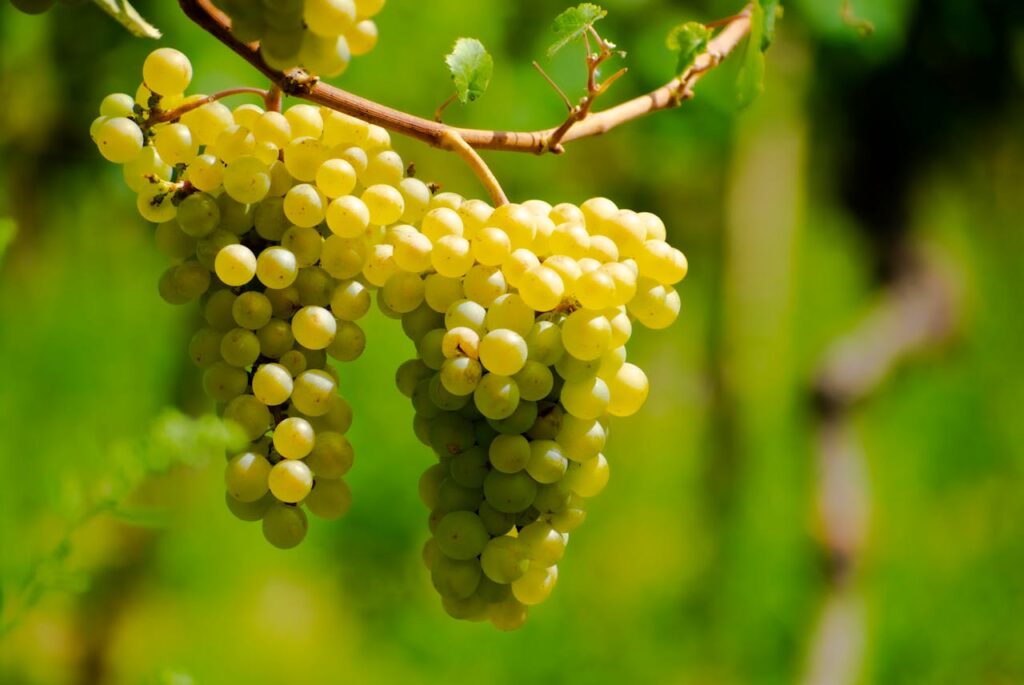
x=160, y=117
x=298, y=83
x=439, y=112
x=551, y=82
x=273, y=98
x=455, y=142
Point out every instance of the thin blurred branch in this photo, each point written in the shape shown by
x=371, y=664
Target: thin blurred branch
x=158, y=116
x=917, y=313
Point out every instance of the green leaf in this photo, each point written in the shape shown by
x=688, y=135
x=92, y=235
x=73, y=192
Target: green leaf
x=772, y=11
x=689, y=40
x=128, y=17
x=750, y=82
x=573, y=23
x=471, y=67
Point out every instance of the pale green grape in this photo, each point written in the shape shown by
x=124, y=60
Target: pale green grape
x=509, y=453
x=628, y=390
x=504, y=559
x=496, y=396
x=217, y=311
x=455, y=578
x=535, y=381
x=336, y=178
x=534, y=586
x=416, y=194
x=249, y=511
x=655, y=306
x=119, y=140
x=503, y=351
x=284, y=526
x=544, y=342
x=348, y=216
x=461, y=341
x=198, y=215
x=329, y=499
x=461, y=535
x=541, y=288
x=240, y=347
x=272, y=384
x=235, y=265
x=294, y=438
x=246, y=476
x=510, y=492
x=586, y=335
x=440, y=292
x=276, y=267
x=173, y=242
x=586, y=398
x=251, y=310
x=313, y=391
x=204, y=348
x=403, y=291
x=409, y=374
x=429, y=348
x=205, y=172
x=384, y=203
x=175, y=143
x=468, y=468
x=588, y=478
x=581, y=439
x=412, y=251
x=249, y=413
x=274, y=128
x=350, y=301
x=547, y=463
x=380, y=265
x=303, y=157
x=332, y=455
x=483, y=284
x=385, y=168
x=146, y=169
x=461, y=375
x=466, y=313
x=362, y=38
x=276, y=338
x=167, y=71
x=304, y=205
x=349, y=342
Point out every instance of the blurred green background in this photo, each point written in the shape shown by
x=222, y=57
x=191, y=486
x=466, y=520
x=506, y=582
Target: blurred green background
x=765, y=522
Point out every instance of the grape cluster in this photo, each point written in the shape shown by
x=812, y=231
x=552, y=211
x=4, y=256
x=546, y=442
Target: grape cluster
x=520, y=316
x=275, y=224
x=319, y=35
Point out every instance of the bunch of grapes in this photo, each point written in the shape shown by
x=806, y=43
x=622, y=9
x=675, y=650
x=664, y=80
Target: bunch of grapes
x=319, y=35
x=520, y=316
x=275, y=223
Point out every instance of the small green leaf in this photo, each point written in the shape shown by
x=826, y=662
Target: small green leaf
x=128, y=17
x=750, y=81
x=689, y=40
x=573, y=23
x=772, y=11
x=471, y=66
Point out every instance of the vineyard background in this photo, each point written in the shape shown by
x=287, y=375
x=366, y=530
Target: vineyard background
x=826, y=483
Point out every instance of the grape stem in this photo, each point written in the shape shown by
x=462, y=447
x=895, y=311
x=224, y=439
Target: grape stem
x=158, y=116
x=298, y=83
x=452, y=140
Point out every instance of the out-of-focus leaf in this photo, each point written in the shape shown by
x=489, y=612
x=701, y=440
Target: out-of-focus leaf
x=689, y=40
x=8, y=229
x=573, y=23
x=750, y=82
x=772, y=10
x=128, y=17
x=471, y=67
x=143, y=518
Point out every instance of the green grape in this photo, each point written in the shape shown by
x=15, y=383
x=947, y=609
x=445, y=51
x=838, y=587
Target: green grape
x=496, y=522
x=570, y=368
x=303, y=157
x=380, y=265
x=453, y=497
x=655, y=306
x=315, y=286
x=276, y=338
x=119, y=140
x=198, y=215
x=455, y=578
x=628, y=390
x=403, y=292
x=175, y=143
x=445, y=400
x=233, y=143
x=483, y=284
x=290, y=480
x=549, y=421
x=588, y=478
x=269, y=219
x=249, y=413
x=596, y=289
x=509, y=453
x=491, y=246
x=586, y=335
x=541, y=288
x=251, y=310
x=294, y=438
x=451, y=434
x=246, y=476
x=496, y=396
x=349, y=342
x=305, y=120
x=272, y=384
x=421, y=321
x=305, y=243
x=469, y=468
x=338, y=418
x=520, y=421
x=581, y=439
x=535, y=381
x=350, y=301
x=461, y=375
x=466, y=313
x=429, y=348
x=217, y=311
x=416, y=195
x=284, y=526
x=504, y=559
x=461, y=342
x=461, y=535
x=534, y=586
x=145, y=169
x=32, y=6
x=304, y=205
x=313, y=391
x=544, y=342
x=331, y=457
x=510, y=312
x=441, y=292
x=412, y=250
x=384, y=203
x=348, y=217
x=276, y=267
x=409, y=374
x=335, y=178
x=509, y=493
x=274, y=128
x=544, y=544
x=249, y=511
x=167, y=71
x=503, y=351
x=586, y=398
x=204, y=348
x=235, y=265
x=240, y=347
x=547, y=463
x=430, y=483
x=329, y=499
